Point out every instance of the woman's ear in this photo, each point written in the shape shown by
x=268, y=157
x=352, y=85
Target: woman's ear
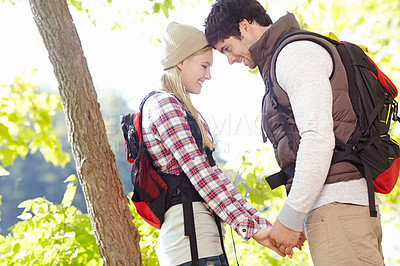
x=180, y=65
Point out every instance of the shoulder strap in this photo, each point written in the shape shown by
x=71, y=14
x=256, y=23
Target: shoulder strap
x=188, y=220
x=141, y=110
x=303, y=35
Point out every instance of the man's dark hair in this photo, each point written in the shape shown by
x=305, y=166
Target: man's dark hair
x=225, y=15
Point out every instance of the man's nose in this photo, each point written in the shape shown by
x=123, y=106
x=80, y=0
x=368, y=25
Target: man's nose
x=231, y=59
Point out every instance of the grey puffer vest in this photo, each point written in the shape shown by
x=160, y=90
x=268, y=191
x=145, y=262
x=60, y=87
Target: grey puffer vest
x=286, y=145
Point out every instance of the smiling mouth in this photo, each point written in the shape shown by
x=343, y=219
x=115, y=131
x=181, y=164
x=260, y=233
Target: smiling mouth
x=242, y=60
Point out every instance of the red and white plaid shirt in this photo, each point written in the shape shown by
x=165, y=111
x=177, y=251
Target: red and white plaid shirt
x=173, y=149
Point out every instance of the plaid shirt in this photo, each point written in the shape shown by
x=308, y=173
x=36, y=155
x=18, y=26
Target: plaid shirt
x=173, y=149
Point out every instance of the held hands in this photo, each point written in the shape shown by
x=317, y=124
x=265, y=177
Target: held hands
x=280, y=239
x=285, y=239
x=263, y=238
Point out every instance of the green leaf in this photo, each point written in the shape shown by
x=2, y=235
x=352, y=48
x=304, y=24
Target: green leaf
x=44, y=208
x=4, y=133
x=251, y=179
x=35, y=208
x=22, y=105
x=16, y=248
x=3, y=172
x=75, y=3
x=71, y=211
x=7, y=156
x=165, y=10
x=68, y=196
x=27, y=204
x=116, y=26
x=156, y=8
x=72, y=178
x=257, y=197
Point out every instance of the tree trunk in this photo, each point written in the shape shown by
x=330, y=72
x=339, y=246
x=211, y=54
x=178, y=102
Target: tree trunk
x=117, y=237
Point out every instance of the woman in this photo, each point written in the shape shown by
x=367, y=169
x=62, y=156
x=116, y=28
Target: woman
x=168, y=134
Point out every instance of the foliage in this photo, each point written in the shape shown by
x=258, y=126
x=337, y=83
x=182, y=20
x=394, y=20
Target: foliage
x=51, y=234
x=32, y=177
x=251, y=171
x=25, y=124
x=121, y=14
x=148, y=238
x=10, y=1
x=1, y=203
x=61, y=235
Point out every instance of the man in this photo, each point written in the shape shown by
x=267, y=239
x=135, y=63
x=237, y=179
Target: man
x=329, y=202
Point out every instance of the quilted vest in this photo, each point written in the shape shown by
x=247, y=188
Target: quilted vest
x=344, y=118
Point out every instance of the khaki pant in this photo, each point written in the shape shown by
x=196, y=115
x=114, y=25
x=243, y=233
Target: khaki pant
x=344, y=234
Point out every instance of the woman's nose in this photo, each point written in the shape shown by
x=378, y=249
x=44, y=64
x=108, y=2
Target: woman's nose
x=208, y=74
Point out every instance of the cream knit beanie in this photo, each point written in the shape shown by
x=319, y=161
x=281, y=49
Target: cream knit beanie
x=180, y=42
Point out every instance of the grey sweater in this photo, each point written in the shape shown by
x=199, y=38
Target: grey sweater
x=303, y=69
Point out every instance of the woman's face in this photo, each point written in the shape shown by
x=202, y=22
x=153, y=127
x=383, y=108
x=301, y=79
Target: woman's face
x=195, y=70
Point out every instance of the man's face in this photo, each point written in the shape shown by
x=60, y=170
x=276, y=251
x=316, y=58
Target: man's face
x=237, y=50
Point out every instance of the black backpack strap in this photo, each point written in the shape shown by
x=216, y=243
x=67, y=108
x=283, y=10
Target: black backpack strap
x=282, y=177
x=371, y=192
x=280, y=110
x=210, y=158
x=189, y=223
x=188, y=220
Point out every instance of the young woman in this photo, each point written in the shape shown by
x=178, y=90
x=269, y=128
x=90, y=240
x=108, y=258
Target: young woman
x=180, y=144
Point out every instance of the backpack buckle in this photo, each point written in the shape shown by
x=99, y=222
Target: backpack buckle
x=176, y=192
x=395, y=111
x=358, y=147
x=274, y=103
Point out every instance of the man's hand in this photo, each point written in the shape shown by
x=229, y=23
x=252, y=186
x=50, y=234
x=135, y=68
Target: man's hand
x=263, y=238
x=301, y=241
x=286, y=239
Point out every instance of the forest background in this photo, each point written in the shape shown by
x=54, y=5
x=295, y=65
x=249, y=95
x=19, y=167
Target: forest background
x=121, y=41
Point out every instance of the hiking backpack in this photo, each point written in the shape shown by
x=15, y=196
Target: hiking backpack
x=370, y=148
x=154, y=192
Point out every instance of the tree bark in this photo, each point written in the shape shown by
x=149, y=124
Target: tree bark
x=116, y=236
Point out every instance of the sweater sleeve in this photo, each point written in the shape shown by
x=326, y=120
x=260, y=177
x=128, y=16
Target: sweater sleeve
x=171, y=125
x=303, y=69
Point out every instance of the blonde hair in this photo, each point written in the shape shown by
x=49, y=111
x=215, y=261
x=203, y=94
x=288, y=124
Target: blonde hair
x=171, y=81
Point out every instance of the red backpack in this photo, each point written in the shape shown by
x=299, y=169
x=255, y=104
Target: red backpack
x=371, y=149
x=154, y=192
x=147, y=183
